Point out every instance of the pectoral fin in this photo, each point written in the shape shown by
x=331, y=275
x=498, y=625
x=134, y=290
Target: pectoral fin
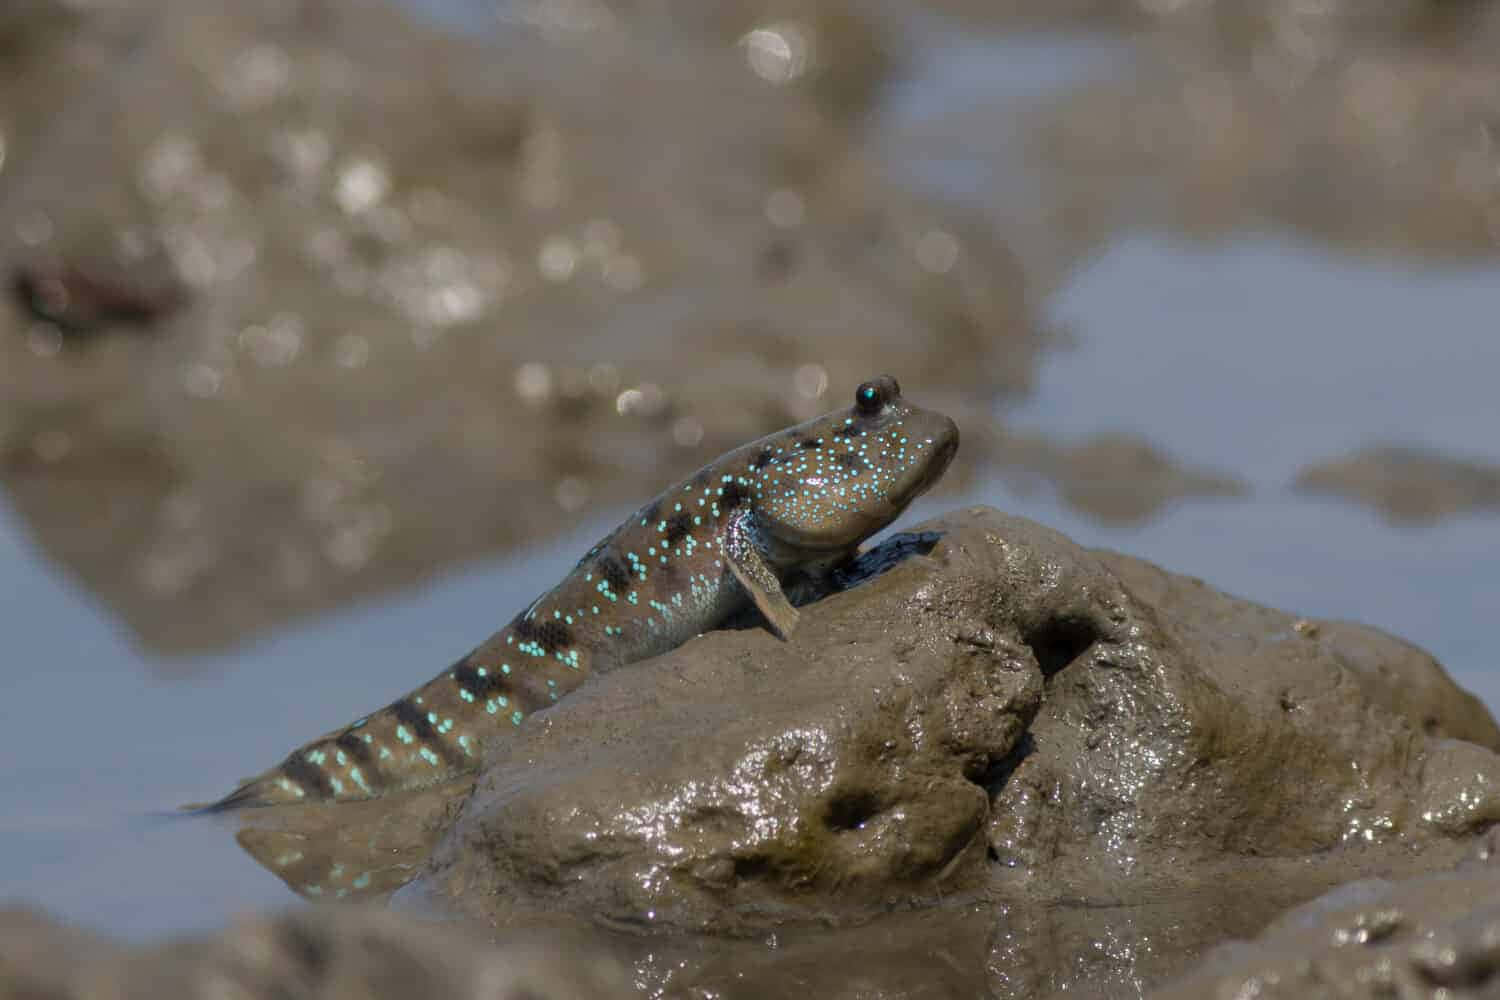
x=750, y=569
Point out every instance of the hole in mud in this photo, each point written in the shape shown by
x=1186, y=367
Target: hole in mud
x=752, y=868
x=998, y=773
x=850, y=811
x=1057, y=642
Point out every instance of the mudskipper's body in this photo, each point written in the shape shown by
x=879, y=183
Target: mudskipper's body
x=794, y=504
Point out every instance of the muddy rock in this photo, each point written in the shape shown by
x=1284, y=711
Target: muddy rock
x=1179, y=742
x=989, y=706
x=432, y=298
x=312, y=953
x=1432, y=935
x=745, y=777
x=1406, y=484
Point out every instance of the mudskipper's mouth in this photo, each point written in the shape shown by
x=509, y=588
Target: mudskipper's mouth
x=942, y=458
x=938, y=464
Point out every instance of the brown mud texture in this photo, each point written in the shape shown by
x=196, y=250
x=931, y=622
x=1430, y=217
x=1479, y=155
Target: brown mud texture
x=992, y=763
x=308, y=300
x=325, y=955
x=1354, y=125
x=1425, y=936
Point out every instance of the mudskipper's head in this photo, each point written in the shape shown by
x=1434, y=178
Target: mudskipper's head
x=834, y=481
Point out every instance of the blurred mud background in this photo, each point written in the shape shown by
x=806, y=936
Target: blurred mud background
x=312, y=299
x=307, y=301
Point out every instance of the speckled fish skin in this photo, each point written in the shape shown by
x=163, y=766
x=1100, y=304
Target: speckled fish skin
x=795, y=503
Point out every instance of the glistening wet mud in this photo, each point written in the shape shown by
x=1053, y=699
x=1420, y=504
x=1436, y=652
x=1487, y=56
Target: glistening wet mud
x=428, y=318
x=990, y=737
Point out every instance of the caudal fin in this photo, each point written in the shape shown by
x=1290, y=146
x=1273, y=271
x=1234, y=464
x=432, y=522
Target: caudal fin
x=263, y=790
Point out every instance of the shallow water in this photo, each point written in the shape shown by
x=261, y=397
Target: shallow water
x=1255, y=356
x=1258, y=356
x=88, y=826
x=957, y=128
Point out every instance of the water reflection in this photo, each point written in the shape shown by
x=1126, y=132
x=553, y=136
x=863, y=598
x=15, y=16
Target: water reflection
x=349, y=852
x=102, y=751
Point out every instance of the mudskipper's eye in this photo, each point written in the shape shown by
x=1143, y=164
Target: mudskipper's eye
x=870, y=397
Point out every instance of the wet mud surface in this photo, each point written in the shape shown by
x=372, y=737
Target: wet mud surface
x=1014, y=743
x=1007, y=701
x=1365, y=128
x=313, y=301
x=415, y=320
x=1418, y=937
x=309, y=954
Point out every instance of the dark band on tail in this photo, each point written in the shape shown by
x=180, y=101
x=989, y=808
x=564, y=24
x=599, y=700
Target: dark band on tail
x=308, y=775
x=550, y=635
x=479, y=687
x=409, y=714
x=352, y=743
